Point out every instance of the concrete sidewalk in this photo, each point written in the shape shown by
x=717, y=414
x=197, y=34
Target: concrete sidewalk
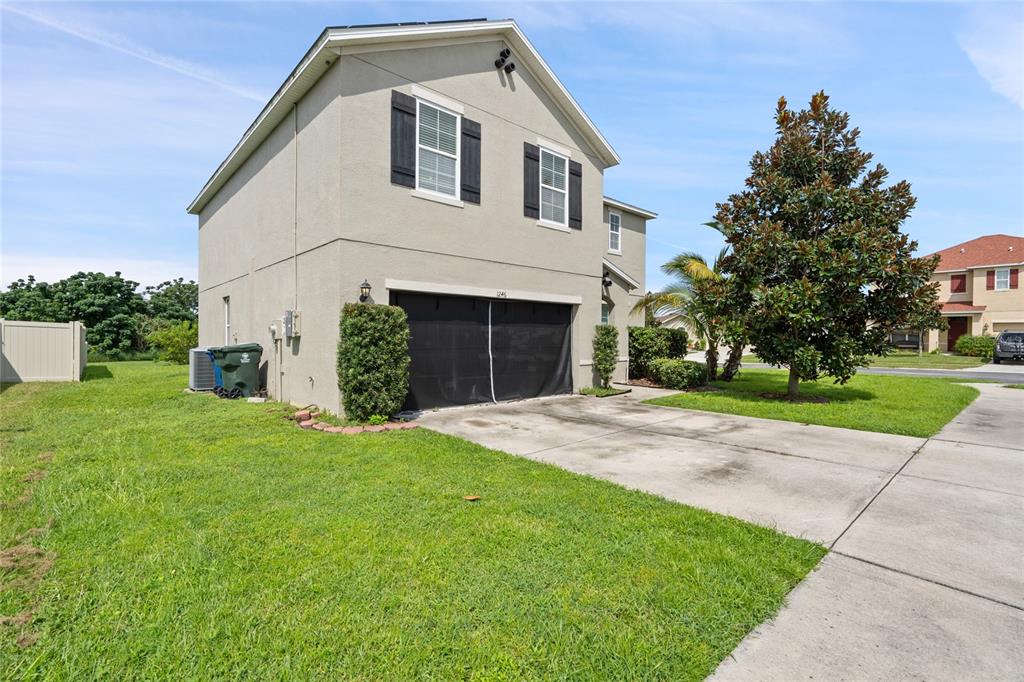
x=926, y=576
x=928, y=582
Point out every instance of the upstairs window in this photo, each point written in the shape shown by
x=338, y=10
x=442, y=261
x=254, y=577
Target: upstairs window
x=1003, y=279
x=437, y=150
x=957, y=284
x=552, y=187
x=615, y=233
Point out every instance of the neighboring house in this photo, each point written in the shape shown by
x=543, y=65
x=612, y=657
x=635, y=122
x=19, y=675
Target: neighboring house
x=979, y=288
x=464, y=188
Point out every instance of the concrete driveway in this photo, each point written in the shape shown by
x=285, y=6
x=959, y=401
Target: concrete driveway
x=926, y=575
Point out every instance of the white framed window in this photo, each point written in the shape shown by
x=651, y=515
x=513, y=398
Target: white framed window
x=227, y=320
x=437, y=149
x=614, y=232
x=606, y=311
x=553, y=172
x=1003, y=279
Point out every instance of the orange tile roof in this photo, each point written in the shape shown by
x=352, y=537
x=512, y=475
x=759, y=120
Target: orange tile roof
x=962, y=308
x=993, y=249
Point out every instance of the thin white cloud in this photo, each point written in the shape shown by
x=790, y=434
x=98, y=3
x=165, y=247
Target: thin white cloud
x=123, y=45
x=994, y=42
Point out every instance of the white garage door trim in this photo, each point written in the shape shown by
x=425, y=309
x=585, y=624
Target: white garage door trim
x=479, y=292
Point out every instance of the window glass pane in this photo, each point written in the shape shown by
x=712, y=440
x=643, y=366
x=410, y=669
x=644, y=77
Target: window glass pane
x=438, y=129
x=436, y=172
x=552, y=170
x=552, y=205
x=604, y=313
x=613, y=241
x=1002, y=279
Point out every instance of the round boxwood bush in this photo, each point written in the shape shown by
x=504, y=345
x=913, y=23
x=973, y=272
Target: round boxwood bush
x=976, y=346
x=373, y=360
x=679, y=374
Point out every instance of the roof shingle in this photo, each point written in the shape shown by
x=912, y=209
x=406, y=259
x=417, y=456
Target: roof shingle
x=993, y=249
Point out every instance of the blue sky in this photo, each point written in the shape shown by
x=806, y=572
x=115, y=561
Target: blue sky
x=115, y=114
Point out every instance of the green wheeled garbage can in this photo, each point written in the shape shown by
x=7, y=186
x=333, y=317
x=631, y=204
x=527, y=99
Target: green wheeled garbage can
x=239, y=366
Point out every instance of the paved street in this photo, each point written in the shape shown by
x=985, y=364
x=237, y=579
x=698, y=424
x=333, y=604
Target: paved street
x=925, y=579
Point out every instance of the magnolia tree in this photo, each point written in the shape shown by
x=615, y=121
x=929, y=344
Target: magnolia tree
x=818, y=267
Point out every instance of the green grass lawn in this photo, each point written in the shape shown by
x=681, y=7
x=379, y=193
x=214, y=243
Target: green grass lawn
x=196, y=538
x=911, y=406
x=911, y=360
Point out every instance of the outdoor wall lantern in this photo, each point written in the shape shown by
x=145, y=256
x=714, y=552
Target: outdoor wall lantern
x=364, y=291
x=606, y=279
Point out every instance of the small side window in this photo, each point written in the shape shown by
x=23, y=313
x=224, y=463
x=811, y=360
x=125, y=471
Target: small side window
x=614, y=232
x=605, y=313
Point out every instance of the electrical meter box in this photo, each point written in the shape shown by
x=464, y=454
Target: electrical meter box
x=292, y=320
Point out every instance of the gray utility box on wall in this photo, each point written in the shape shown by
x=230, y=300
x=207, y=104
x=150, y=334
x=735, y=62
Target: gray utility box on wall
x=292, y=320
x=201, y=375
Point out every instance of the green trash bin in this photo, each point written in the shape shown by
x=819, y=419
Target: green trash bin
x=239, y=366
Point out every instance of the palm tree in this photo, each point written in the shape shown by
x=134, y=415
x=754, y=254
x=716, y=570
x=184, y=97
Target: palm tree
x=682, y=298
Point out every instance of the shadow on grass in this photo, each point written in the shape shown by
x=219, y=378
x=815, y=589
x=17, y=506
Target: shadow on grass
x=750, y=390
x=96, y=372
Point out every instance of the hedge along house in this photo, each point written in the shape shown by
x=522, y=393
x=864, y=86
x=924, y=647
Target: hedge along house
x=444, y=166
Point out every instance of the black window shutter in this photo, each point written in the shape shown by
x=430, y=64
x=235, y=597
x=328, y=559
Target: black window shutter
x=403, y=139
x=575, y=195
x=531, y=180
x=470, y=162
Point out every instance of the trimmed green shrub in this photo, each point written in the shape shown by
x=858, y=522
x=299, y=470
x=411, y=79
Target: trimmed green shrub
x=976, y=346
x=173, y=341
x=373, y=360
x=679, y=374
x=676, y=342
x=606, y=351
x=647, y=344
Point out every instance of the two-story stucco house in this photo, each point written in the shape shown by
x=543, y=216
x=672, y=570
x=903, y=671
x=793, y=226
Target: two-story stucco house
x=979, y=288
x=446, y=168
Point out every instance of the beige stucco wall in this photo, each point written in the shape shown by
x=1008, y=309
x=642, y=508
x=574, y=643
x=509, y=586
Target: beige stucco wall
x=1003, y=309
x=349, y=222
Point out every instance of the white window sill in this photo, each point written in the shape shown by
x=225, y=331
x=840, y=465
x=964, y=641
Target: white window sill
x=439, y=198
x=552, y=226
x=615, y=253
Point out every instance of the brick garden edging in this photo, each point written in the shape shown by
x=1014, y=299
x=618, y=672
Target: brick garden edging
x=308, y=420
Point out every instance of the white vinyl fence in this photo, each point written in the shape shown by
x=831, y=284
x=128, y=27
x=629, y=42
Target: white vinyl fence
x=42, y=351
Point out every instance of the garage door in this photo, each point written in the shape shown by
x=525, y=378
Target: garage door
x=473, y=350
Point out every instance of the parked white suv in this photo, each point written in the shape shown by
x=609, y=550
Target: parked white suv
x=1009, y=346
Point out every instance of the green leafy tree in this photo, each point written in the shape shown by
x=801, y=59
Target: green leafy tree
x=29, y=300
x=173, y=341
x=820, y=270
x=106, y=304
x=173, y=300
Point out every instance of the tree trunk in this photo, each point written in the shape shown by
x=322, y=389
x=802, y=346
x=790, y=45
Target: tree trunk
x=732, y=363
x=920, y=339
x=794, y=383
x=711, y=358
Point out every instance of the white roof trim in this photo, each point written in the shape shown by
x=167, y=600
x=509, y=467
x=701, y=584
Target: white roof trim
x=622, y=206
x=615, y=269
x=981, y=267
x=325, y=51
